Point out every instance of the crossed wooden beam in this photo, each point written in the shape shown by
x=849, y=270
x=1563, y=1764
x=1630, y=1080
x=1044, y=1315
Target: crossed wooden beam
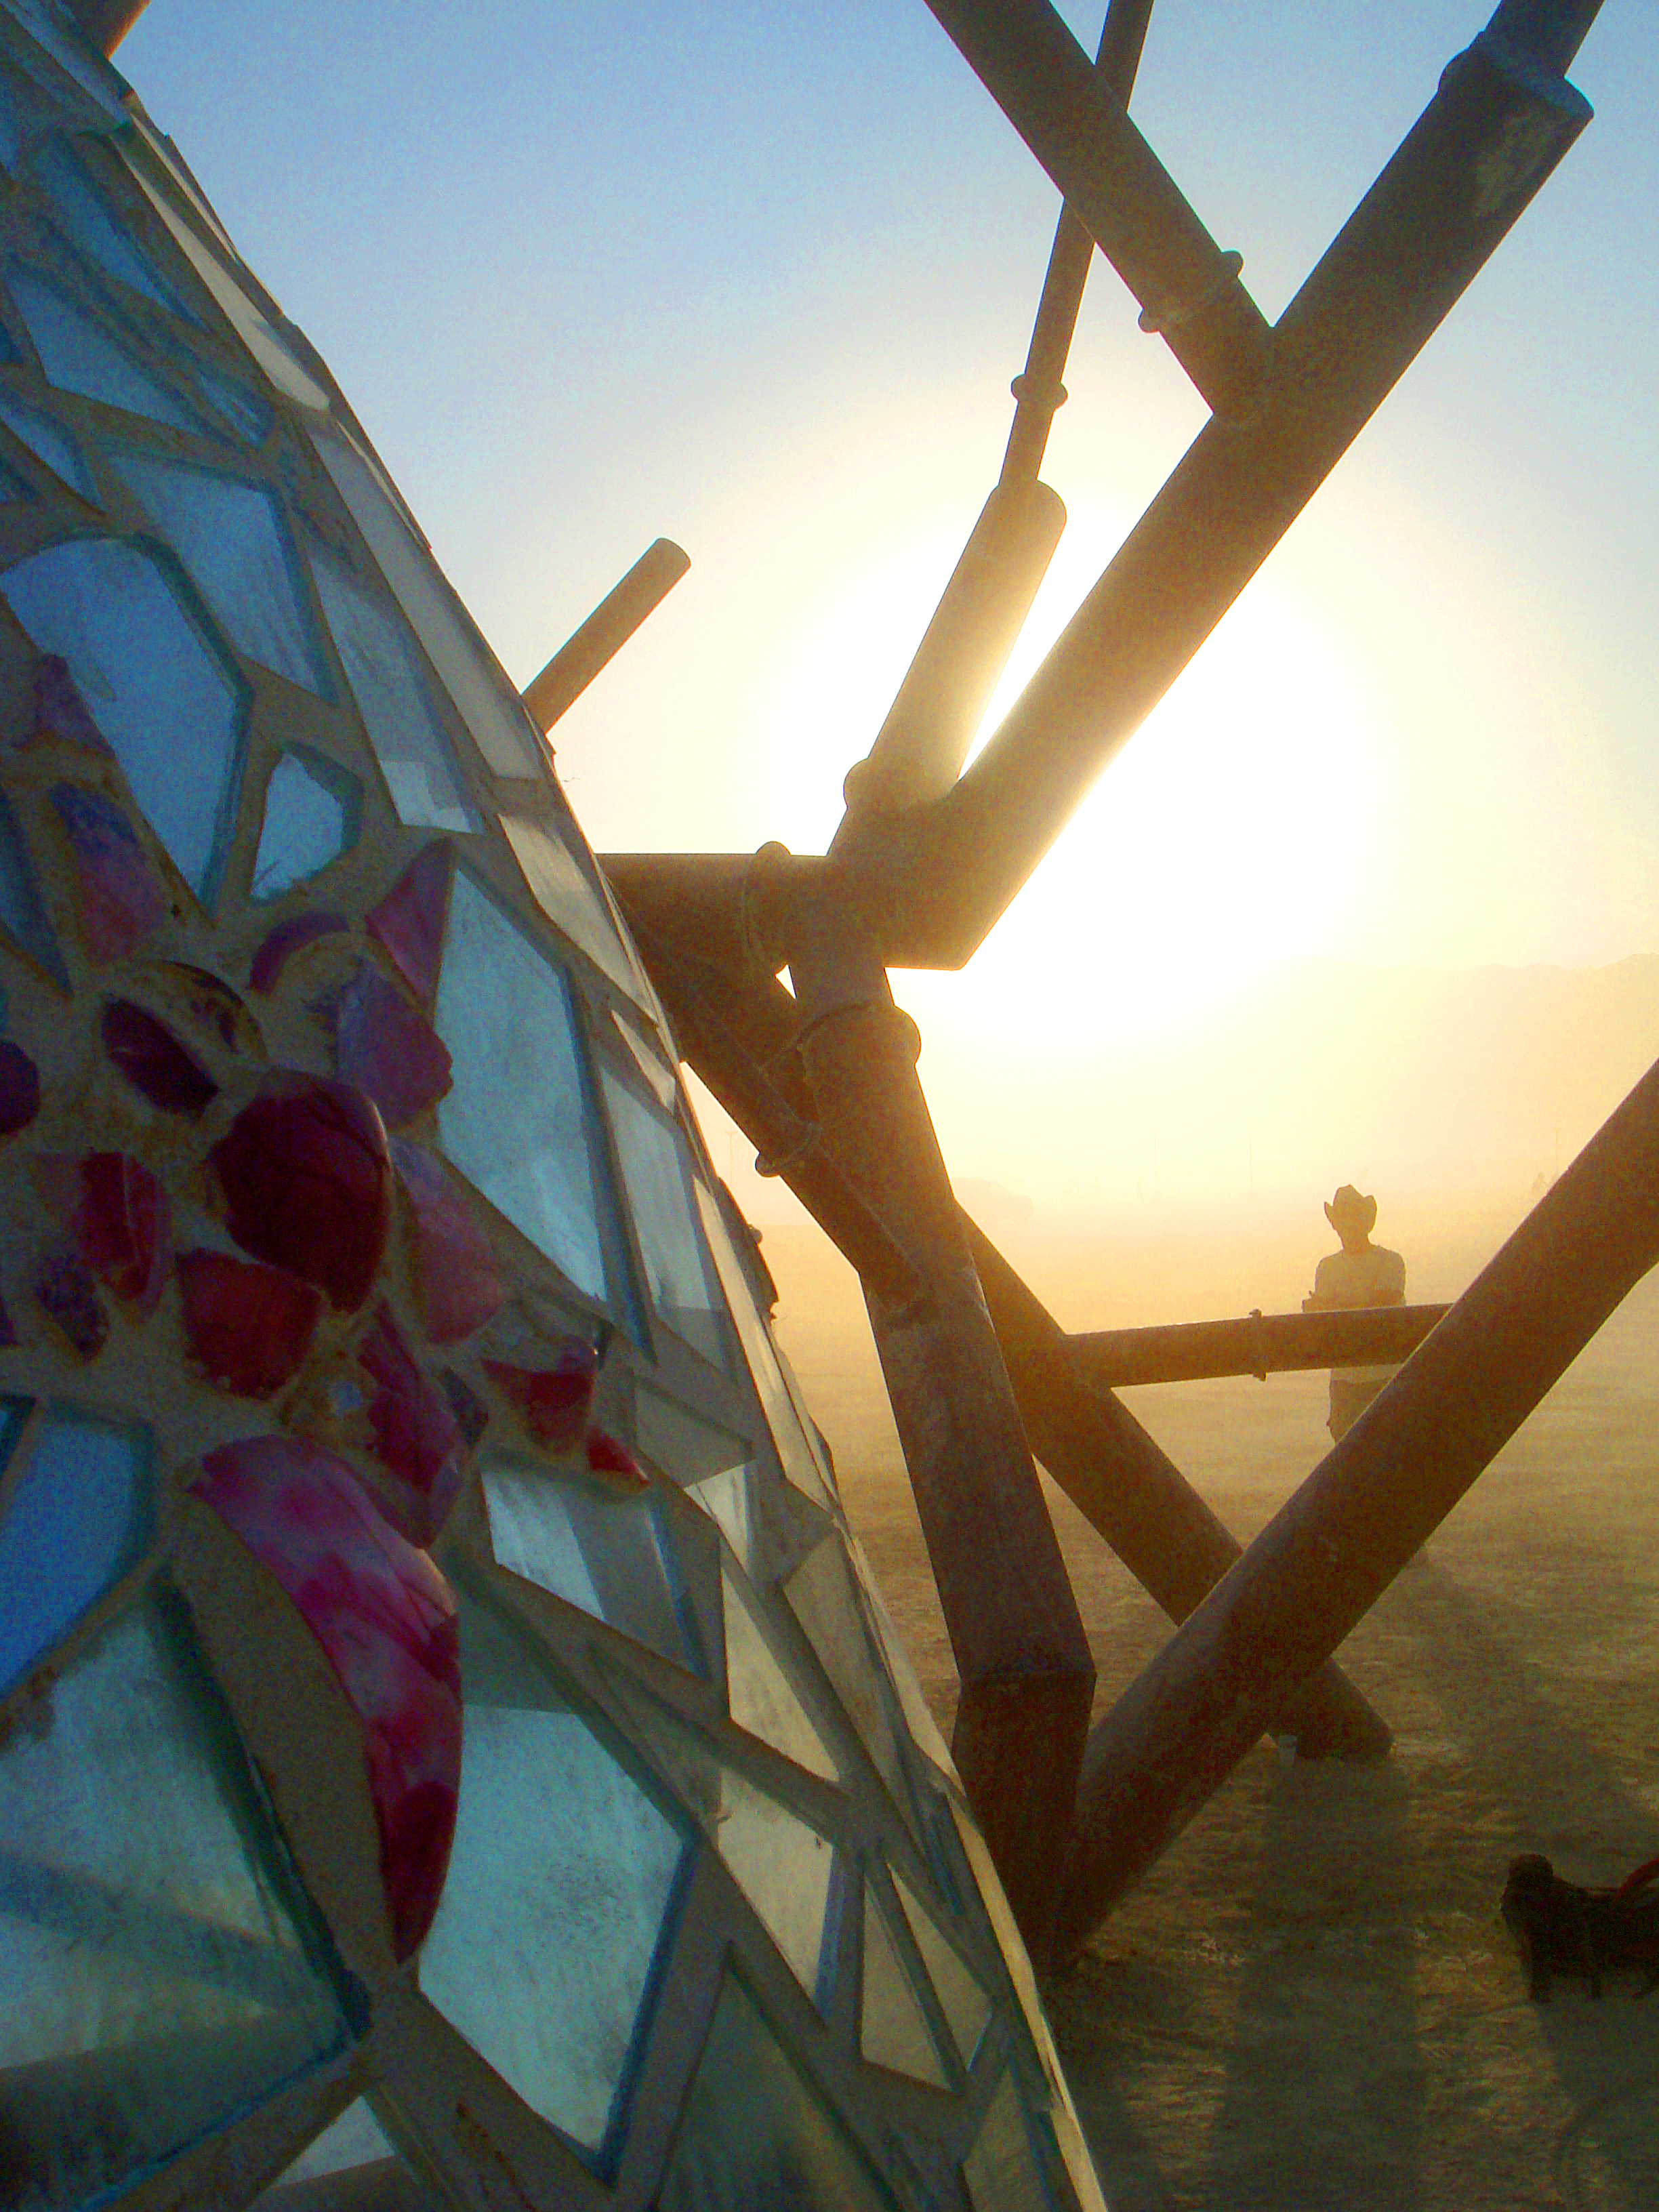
x=822, y=1077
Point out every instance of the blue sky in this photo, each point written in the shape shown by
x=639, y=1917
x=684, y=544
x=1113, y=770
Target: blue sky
x=755, y=276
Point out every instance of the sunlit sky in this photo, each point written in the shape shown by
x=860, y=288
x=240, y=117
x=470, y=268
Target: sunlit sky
x=755, y=277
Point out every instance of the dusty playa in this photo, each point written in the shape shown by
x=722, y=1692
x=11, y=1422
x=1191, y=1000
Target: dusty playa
x=1312, y=2002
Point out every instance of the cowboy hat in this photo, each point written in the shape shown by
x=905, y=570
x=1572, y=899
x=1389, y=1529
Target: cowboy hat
x=1349, y=1206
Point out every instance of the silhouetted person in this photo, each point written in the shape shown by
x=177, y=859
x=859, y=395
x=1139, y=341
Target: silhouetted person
x=1361, y=1274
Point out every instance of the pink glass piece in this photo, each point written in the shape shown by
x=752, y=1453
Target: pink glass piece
x=385, y=1619
x=59, y=710
x=154, y=1060
x=67, y=1295
x=409, y=920
x=250, y=1326
x=416, y=1437
x=289, y=936
x=19, y=1089
x=555, y=1401
x=607, y=1454
x=472, y=1415
x=307, y=1184
x=119, y=1216
x=455, y=1266
x=120, y=900
x=388, y=1049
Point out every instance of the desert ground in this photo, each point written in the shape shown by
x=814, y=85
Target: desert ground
x=1311, y=2002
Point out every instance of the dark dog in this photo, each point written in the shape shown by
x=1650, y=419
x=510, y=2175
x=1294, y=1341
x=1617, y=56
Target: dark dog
x=1560, y=1929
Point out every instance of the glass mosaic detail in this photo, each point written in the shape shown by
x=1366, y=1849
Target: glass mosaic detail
x=893, y=2029
x=231, y=536
x=518, y=1121
x=86, y=219
x=967, y=2009
x=499, y=727
x=782, y=1865
x=609, y=1555
x=685, y=1446
x=21, y=908
x=74, y=1519
x=250, y=324
x=159, y=1971
x=760, y=1695
x=64, y=40
x=570, y=903
x=548, y=1976
x=657, y=1176
x=755, y=2132
x=1001, y=2172
x=235, y=401
x=50, y=443
x=800, y=1456
x=824, y=1599
x=410, y=740
x=173, y=711
x=78, y=353
x=656, y=1071
x=312, y=810
x=353, y=2153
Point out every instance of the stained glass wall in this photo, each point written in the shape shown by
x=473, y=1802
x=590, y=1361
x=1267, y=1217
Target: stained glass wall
x=450, y=1751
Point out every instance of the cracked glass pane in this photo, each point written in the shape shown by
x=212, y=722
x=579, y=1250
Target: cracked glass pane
x=173, y=711
x=409, y=738
x=755, y=2131
x=313, y=807
x=233, y=540
x=162, y=1969
x=611, y=1556
x=560, y=1893
x=518, y=1121
x=79, y=354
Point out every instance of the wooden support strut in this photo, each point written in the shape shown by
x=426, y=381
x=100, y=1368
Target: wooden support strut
x=1027, y=1678
x=1327, y=1557
x=1258, y=1344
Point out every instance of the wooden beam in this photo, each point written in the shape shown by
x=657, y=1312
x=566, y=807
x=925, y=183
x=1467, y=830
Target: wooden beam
x=1257, y=1344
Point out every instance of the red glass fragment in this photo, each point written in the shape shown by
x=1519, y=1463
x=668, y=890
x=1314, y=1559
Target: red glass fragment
x=416, y=1437
x=555, y=1401
x=409, y=920
x=250, y=1326
x=19, y=1089
x=154, y=1060
x=472, y=1415
x=119, y=1216
x=288, y=937
x=59, y=709
x=387, y=1049
x=307, y=1184
x=455, y=1266
x=67, y=1295
x=121, y=901
x=607, y=1454
x=385, y=1619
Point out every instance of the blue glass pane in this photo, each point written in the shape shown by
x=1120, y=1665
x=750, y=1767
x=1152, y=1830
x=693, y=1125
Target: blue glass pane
x=387, y=683
x=517, y=1120
x=12, y=488
x=357, y=2157
x=610, y=1555
x=1001, y=2173
x=83, y=214
x=312, y=808
x=49, y=442
x=173, y=711
x=11, y=129
x=77, y=1516
x=657, y=1176
x=159, y=1974
x=235, y=402
x=561, y=1890
x=232, y=538
x=560, y=886
x=499, y=727
x=256, y=333
x=756, y=2133
x=79, y=354
x=21, y=908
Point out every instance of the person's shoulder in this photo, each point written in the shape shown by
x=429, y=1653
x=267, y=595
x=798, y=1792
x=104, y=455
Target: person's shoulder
x=1390, y=1266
